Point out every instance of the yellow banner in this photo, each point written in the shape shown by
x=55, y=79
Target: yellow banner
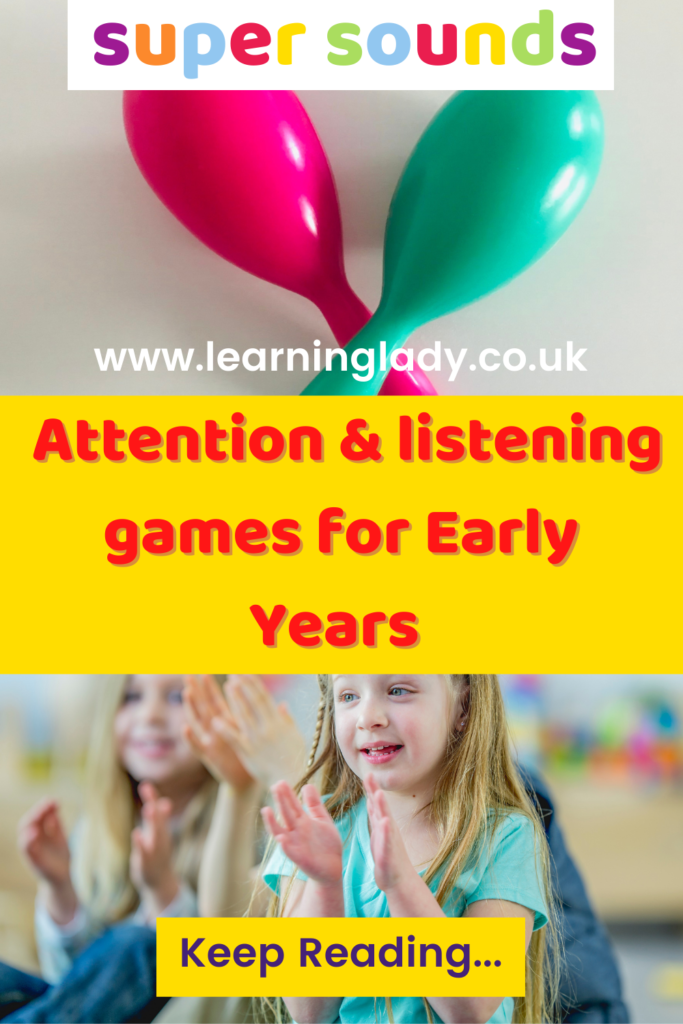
x=356, y=957
x=304, y=534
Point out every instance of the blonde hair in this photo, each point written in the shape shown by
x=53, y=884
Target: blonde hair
x=478, y=787
x=101, y=859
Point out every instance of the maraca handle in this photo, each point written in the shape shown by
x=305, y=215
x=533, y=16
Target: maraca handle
x=346, y=316
x=407, y=382
x=341, y=382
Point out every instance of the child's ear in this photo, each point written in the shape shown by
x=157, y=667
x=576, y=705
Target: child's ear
x=462, y=706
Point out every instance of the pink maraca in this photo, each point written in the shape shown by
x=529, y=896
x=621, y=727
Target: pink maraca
x=246, y=173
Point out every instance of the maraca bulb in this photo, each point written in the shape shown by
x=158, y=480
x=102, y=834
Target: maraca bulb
x=492, y=184
x=246, y=173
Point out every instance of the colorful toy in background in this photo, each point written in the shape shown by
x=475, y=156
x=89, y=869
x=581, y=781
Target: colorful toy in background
x=492, y=184
x=44, y=726
x=246, y=173
x=524, y=707
x=633, y=738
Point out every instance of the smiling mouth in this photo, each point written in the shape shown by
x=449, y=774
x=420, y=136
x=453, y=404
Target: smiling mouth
x=381, y=754
x=153, y=748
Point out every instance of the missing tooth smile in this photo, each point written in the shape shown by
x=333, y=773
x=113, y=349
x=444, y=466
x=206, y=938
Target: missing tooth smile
x=381, y=754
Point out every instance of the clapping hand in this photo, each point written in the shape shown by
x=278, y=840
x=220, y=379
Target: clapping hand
x=151, y=859
x=263, y=733
x=392, y=864
x=42, y=840
x=311, y=840
x=205, y=708
x=243, y=735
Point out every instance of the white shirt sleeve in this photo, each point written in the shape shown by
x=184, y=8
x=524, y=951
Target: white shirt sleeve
x=184, y=905
x=58, y=945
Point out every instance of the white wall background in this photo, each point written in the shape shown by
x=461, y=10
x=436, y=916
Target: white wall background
x=89, y=257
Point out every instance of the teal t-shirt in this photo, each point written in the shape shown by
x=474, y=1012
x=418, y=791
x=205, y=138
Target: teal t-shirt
x=505, y=869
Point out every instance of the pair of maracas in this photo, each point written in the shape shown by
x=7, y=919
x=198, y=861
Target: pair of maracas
x=493, y=182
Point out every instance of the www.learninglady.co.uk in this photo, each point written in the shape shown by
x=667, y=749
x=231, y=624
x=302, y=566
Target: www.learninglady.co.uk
x=361, y=363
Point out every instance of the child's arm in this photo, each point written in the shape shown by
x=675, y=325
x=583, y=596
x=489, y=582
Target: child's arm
x=477, y=1010
x=224, y=885
x=225, y=882
x=313, y=843
x=409, y=896
x=246, y=746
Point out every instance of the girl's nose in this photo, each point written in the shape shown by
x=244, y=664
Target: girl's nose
x=372, y=715
x=154, y=709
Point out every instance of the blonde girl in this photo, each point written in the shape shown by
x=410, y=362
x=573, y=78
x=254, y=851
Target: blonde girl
x=137, y=850
x=424, y=815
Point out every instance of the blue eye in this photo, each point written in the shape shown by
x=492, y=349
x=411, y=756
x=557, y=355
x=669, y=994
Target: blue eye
x=396, y=691
x=130, y=696
x=346, y=698
x=175, y=697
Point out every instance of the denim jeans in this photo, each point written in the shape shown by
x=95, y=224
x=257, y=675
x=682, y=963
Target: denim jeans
x=113, y=981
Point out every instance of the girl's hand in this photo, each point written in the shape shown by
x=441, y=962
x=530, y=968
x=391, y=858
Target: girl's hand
x=392, y=864
x=262, y=732
x=151, y=865
x=42, y=840
x=205, y=705
x=311, y=840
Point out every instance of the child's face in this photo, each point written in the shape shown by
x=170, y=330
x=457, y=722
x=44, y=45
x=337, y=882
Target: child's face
x=149, y=733
x=396, y=726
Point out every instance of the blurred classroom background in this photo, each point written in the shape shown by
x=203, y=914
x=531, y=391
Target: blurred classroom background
x=611, y=748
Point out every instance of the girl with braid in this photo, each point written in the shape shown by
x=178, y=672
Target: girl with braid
x=423, y=814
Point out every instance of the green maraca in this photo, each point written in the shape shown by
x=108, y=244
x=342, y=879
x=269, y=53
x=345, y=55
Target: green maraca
x=493, y=182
